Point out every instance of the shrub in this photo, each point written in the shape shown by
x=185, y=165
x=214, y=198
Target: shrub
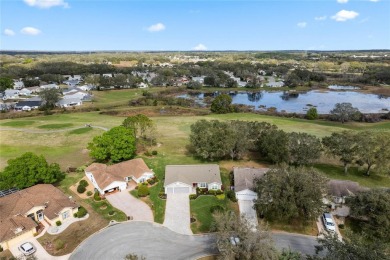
x=143, y=190
x=59, y=244
x=312, y=113
x=58, y=223
x=213, y=192
x=193, y=196
x=96, y=196
x=231, y=195
x=162, y=195
x=75, y=215
x=154, y=152
x=81, y=168
x=89, y=193
x=216, y=208
x=219, y=192
x=82, y=212
x=83, y=183
x=111, y=212
x=221, y=196
x=80, y=189
x=341, y=226
x=147, y=153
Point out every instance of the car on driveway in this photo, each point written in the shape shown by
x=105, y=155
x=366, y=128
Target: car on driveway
x=27, y=248
x=328, y=222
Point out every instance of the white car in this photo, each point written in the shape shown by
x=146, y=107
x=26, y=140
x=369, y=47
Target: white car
x=27, y=248
x=328, y=222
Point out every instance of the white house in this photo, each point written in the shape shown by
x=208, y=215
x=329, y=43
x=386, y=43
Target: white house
x=186, y=178
x=109, y=178
x=75, y=95
x=50, y=86
x=85, y=87
x=143, y=85
x=244, y=178
x=11, y=94
x=18, y=84
x=69, y=102
x=25, y=92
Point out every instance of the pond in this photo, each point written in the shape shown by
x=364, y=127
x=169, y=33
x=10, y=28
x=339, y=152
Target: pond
x=294, y=102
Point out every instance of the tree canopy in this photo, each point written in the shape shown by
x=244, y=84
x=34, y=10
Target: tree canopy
x=28, y=170
x=50, y=97
x=6, y=83
x=373, y=208
x=344, y=112
x=222, y=104
x=140, y=123
x=288, y=193
x=251, y=245
x=118, y=144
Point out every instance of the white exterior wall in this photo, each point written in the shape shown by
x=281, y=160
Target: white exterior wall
x=210, y=185
x=92, y=179
x=146, y=176
x=178, y=185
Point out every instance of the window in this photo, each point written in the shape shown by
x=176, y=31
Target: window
x=214, y=187
x=202, y=185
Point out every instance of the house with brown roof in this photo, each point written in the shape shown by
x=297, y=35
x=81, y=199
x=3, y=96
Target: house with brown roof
x=109, y=178
x=339, y=190
x=20, y=212
x=186, y=178
x=244, y=178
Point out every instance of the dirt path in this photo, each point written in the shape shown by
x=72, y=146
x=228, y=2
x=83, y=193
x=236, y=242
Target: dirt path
x=34, y=131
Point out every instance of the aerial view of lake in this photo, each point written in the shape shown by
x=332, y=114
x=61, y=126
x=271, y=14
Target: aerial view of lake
x=301, y=102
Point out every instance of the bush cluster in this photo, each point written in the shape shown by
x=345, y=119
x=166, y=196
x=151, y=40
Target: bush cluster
x=58, y=223
x=231, y=195
x=193, y=196
x=81, y=189
x=96, y=196
x=152, y=181
x=89, y=193
x=83, y=183
x=82, y=212
x=143, y=190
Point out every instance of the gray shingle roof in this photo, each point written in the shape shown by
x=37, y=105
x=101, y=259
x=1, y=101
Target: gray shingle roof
x=190, y=174
x=244, y=177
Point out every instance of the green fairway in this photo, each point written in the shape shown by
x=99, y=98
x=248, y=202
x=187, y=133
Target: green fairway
x=55, y=126
x=18, y=123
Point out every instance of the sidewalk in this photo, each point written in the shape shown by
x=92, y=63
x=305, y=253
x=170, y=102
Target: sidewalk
x=54, y=230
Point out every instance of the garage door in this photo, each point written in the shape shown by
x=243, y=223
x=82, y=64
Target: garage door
x=178, y=190
x=245, y=197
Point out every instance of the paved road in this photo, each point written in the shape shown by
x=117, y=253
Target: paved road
x=177, y=213
x=131, y=206
x=297, y=242
x=152, y=241
x=35, y=131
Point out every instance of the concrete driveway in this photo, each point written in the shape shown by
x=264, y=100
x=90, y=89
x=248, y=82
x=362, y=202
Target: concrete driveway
x=41, y=253
x=322, y=230
x=248, y=212
x=296, y=242
x=177, y=213
x=153, y=241
x=131, y=206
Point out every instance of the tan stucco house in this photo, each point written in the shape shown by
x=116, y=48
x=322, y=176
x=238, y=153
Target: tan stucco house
x=21, y=211
x=186, y=178
x=110, y=178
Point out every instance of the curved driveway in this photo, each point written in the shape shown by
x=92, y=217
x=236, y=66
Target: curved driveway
x=150, y=240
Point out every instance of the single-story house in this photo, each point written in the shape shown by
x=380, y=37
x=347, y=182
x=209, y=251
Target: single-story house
x=186, y=178
x=69, y=102
x=74, y=77
x=109, y=178
x=22, y=210
x=143, y=85
x=18, y=84
x=339, y=190
x=11, y=94
x=34, y=89
x=86, y=87
x=25, y=92
x=75, y=95
x=28, y=105
x=244, y=178
x=71, y=82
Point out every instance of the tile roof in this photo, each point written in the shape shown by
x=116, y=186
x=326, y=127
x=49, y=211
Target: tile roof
x=192, y=174
x=106, y=174
x=244, y=177
x=13, y=207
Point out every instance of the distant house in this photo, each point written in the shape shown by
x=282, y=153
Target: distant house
x=275, y=84
x=143, y=85
x=186, y=178
x=74, y=77
x=34, y=89
x=69, y=102
x=199, y=79
x=28, y=105
x=21, y=212
x=109, y=178
x=85, y=87
x=18, y=84
x=11, y=94
x=71, y=82
x=25, y=92
x=107, y=75
x=50, y=86
x=244, y=181
x=76, y=94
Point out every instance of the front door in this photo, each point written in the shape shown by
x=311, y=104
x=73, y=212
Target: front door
x=40, y=215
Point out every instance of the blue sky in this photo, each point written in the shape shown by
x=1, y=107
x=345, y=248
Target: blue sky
x=194, y=25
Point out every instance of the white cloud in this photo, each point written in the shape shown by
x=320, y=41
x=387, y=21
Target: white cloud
x=30, y=31
x=302, y=24
x=374, y=1
x=200, y=47
x=8, y=32
x=320, y=18
x=156, y=27
x=46, y=3
x=342, y=1
x=344, y=15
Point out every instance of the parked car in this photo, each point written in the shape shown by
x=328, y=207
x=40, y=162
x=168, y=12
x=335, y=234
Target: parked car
x=328, y=222
x=27, y=248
